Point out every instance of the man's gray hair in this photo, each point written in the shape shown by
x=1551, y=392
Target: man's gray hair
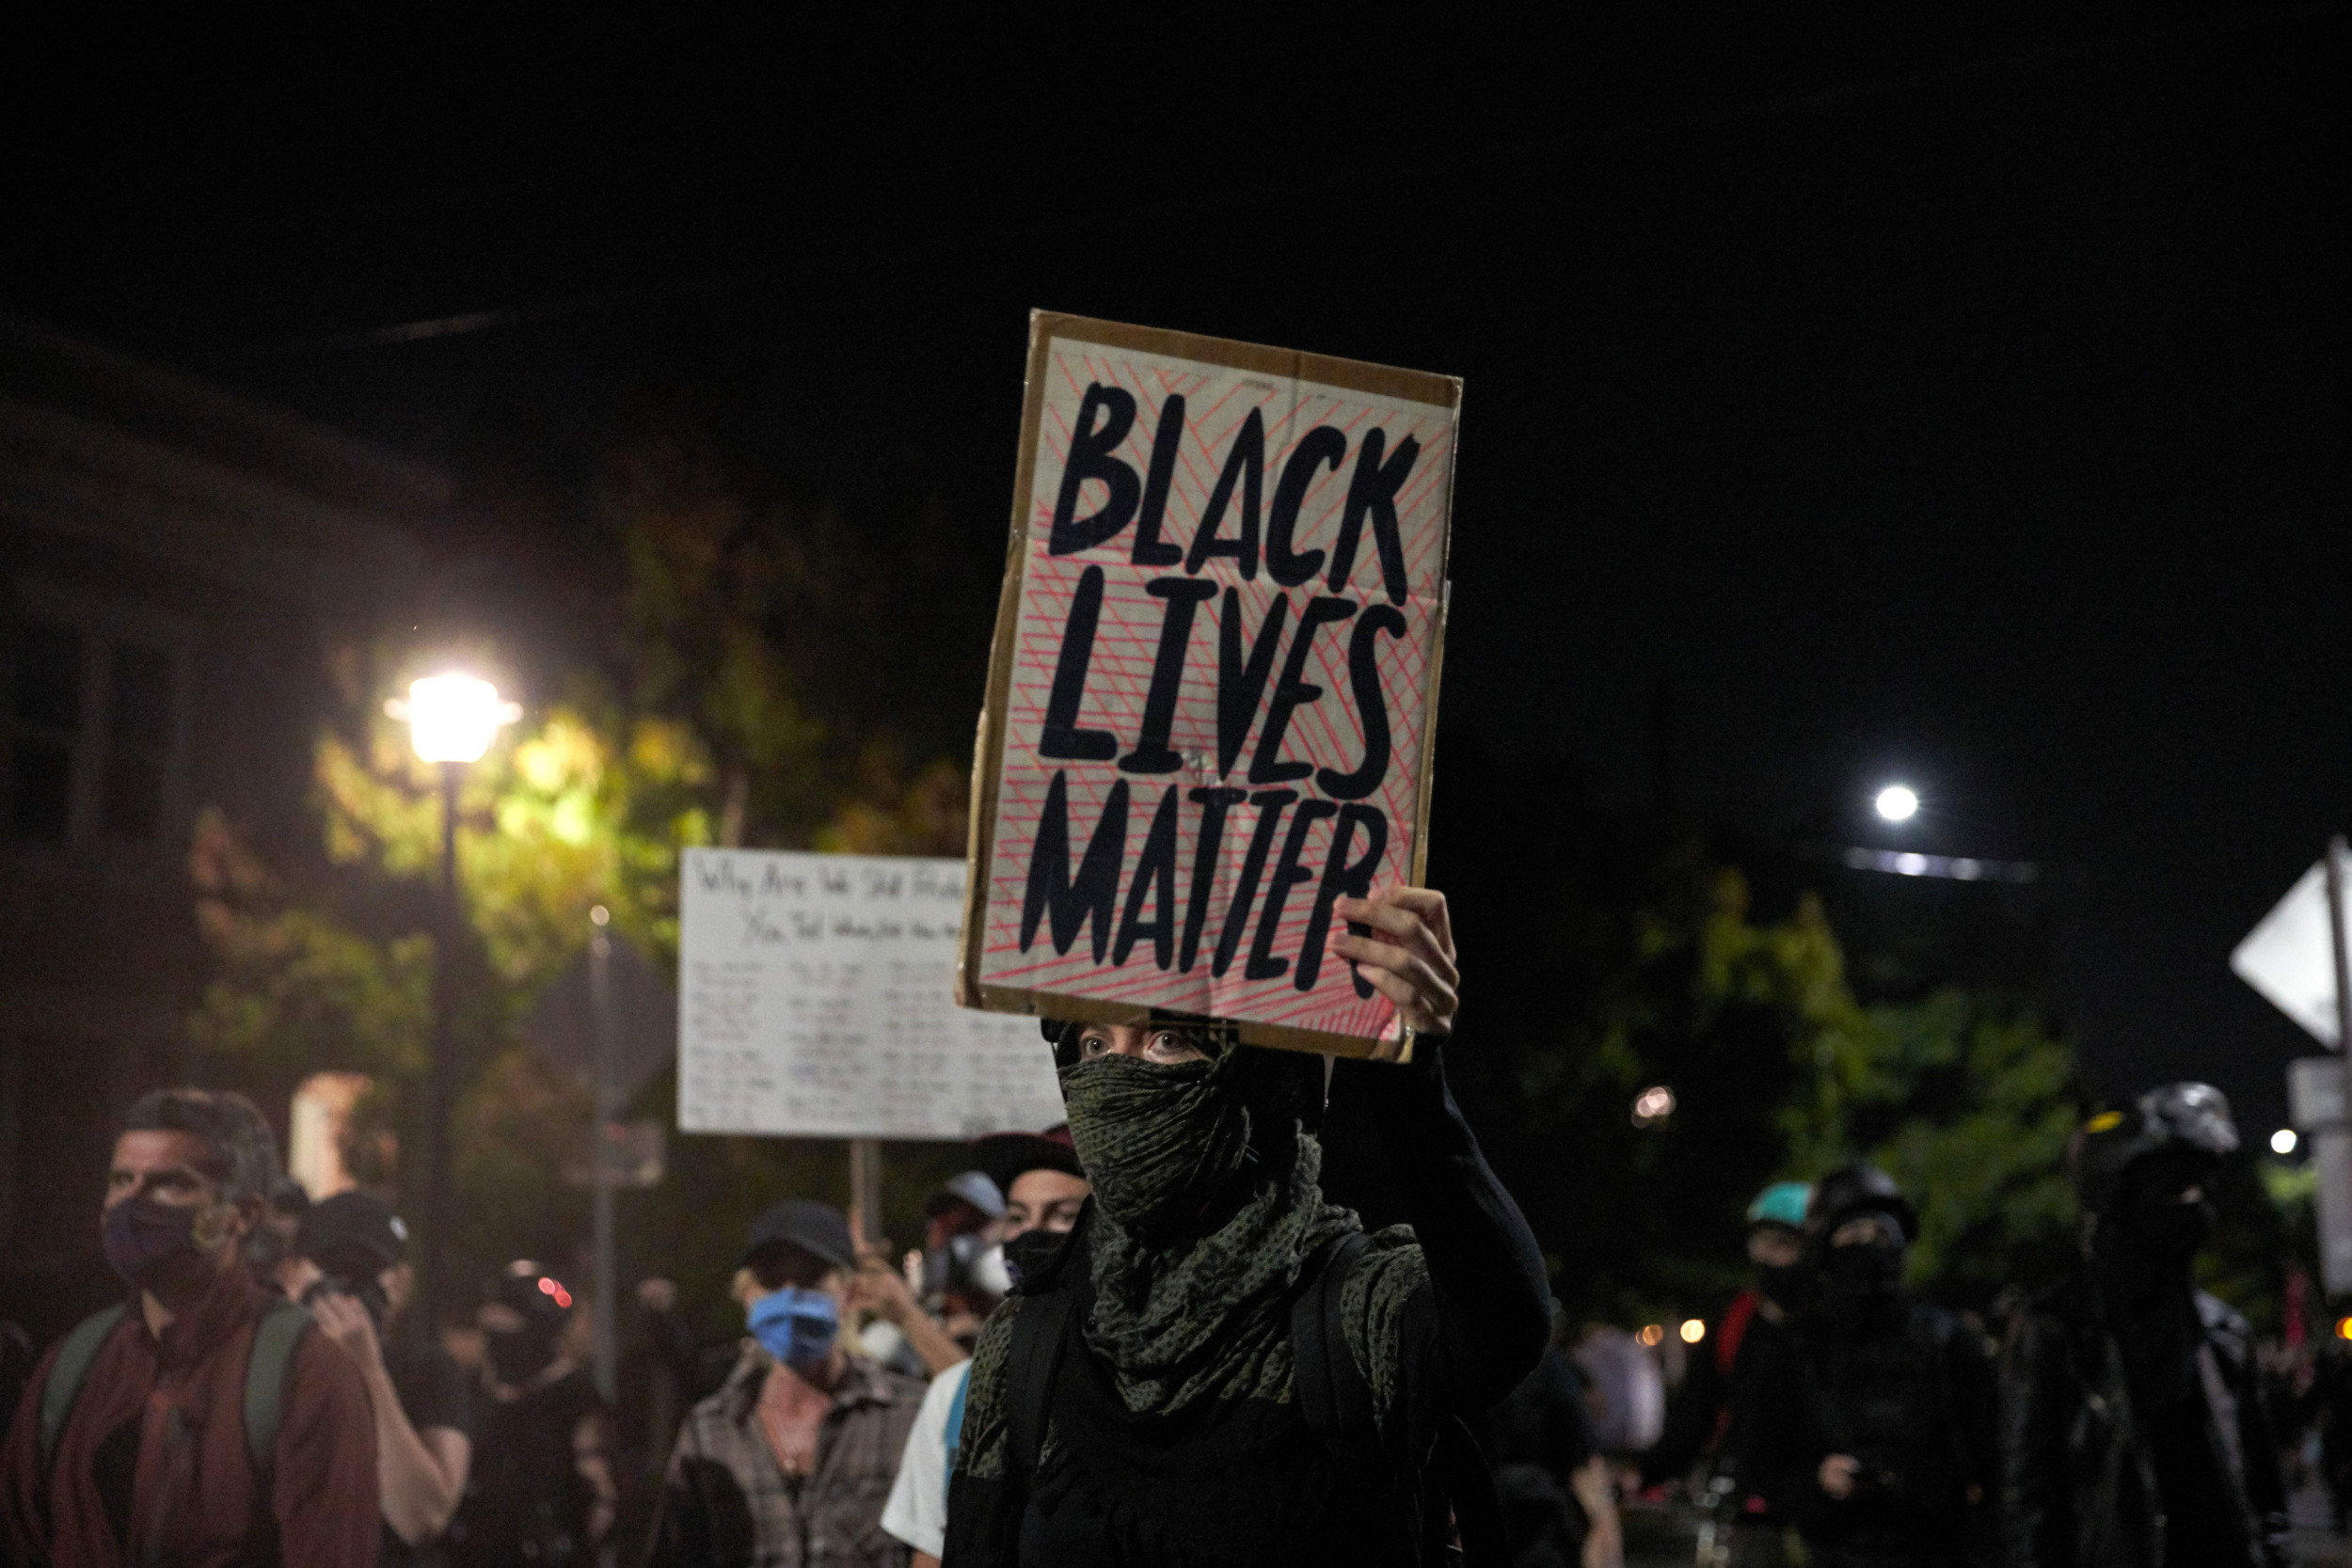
x=244, y=1152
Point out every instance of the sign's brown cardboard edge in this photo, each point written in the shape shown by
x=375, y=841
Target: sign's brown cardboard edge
x=1355, y=375
x=1085, y=1010
x=989, y=745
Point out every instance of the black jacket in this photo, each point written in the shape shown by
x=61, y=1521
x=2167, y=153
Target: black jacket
x=1907, y=1389
x=2079, y=1476
x=1713, y=1412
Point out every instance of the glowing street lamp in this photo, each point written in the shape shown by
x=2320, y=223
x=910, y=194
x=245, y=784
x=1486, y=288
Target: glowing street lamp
x=1897, y=802
x=452, y=721
x=452, y=718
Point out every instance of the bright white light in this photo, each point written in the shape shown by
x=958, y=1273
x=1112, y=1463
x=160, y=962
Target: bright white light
x=1653, y=1105
x=1897, y=802
x=1692, y=1331
x=452, y=718
x=2282, y=1141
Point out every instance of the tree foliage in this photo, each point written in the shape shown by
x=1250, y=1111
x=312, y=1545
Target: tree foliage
x=738, y=705
x=1616, y=954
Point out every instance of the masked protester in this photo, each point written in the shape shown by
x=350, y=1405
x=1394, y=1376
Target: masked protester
x=2136, y=1432
x=960, y=1272
x=1874, y=1431
x=204, y=1421
x=789, y=1461
x=356, y=1250
x=1714, y=1411
x=1218, y=1366
x=1044, y=1190
x=542, y=1488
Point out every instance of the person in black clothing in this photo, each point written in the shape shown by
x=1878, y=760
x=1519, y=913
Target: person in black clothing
x=1875, y=1429
x=352, y=1271
x=542, y=1490
x=1219, y=1365
x=2135, y=1430
x=1714, y=1411
x=1548, y=1474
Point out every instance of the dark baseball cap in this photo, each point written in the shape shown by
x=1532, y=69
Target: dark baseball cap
x=352, y=1233
x=1006, y=1156
x=817, y=1228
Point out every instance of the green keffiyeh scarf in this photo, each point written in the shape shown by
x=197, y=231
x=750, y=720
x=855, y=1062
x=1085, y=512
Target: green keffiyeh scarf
x=1207, y=1201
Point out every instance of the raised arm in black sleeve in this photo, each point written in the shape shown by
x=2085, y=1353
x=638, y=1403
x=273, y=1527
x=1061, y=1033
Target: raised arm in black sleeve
x=1486, y=1274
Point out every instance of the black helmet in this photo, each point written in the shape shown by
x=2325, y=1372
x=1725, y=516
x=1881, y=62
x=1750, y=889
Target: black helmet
x=1855, y=1189
x=2194, y=1117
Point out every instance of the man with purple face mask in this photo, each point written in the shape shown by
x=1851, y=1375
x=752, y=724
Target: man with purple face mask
x=791, y=1462
x=202, y=1422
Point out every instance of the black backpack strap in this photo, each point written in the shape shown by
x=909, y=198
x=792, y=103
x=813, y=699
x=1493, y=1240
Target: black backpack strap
x=1040, y=1333
x=1469, y=1485
x=1334, y=1396
x=66, y=1374
x=276, y=1338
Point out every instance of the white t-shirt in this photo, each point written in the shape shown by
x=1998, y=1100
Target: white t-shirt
x=918, y=1511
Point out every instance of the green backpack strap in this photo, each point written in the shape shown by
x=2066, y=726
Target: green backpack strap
x=275, y=1340
x=66, y=1374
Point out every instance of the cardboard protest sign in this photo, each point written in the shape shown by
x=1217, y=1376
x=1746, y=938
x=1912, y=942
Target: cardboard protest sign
x=1214, y=683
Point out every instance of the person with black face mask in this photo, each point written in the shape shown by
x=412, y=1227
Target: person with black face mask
x=2137, y=1433
x=1713, y=1412
x=1218, y=1366
x=1874, y=1430
x=541, y=1487
x=355, y=1278
x=1044, y=1189
x=203, y=1423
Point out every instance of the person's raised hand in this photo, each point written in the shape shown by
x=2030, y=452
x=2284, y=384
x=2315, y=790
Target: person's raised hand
x=1836, y=1475
x=342, y=1318
x=1408, y=956
x=879, y=1287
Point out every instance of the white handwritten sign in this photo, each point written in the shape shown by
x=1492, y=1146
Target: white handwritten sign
x=816, y=999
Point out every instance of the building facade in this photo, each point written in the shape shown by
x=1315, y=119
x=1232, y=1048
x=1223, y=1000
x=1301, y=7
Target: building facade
x=175, y=564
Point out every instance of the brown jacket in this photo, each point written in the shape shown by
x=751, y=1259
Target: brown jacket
x=152, y=1466
x=727, y=1504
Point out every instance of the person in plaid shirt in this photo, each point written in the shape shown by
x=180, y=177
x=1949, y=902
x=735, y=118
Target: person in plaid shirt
x=788, y=1465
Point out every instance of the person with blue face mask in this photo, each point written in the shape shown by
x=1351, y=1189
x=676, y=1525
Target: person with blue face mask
x=791, y=1460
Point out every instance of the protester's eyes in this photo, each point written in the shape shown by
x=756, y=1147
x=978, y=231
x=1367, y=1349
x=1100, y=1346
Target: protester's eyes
x=1093, y=1045
x=1168, y=1046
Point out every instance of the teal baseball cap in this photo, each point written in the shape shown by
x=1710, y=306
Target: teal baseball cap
x=1782, y=1203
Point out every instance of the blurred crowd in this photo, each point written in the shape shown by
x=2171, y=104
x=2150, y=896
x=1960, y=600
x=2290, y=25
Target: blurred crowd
x=270, y=1390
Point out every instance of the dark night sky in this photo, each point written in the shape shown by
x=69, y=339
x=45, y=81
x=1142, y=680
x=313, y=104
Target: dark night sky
x=1960, y=397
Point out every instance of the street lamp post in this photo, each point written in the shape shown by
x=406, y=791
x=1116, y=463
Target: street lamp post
x=452, y=721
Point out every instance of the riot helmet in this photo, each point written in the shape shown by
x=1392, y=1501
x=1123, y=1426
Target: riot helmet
x=2189, y=1121
x=1859, y=1263
x=1855, y=1189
